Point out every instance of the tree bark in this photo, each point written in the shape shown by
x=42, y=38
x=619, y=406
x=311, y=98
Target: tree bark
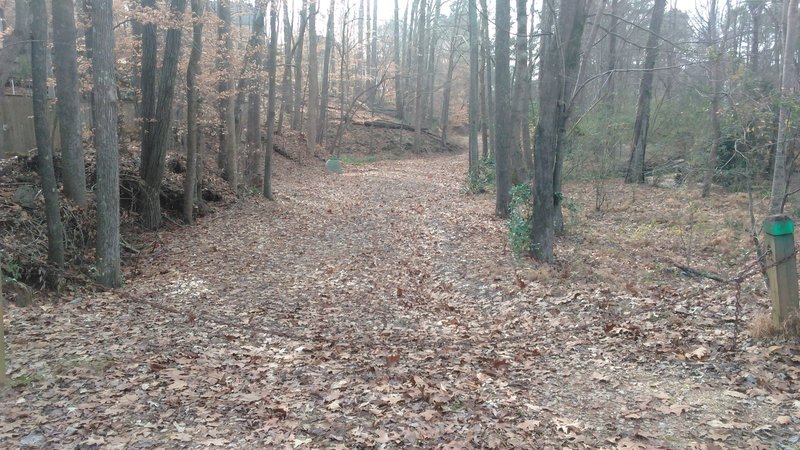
x=148, y=85
x=228, y=99
x=716, y=50
x=326, y=81
x=255, y=52
x=106, y=142
x=503, y=125
x=313, y=79
x=635, y=173
x=398, y=81
x=297, y=118
x=519, y=107
x=287, y=104
x=474, y=112
x=271, y=69
x=153, y=167
x=193, y=111
x=55, y=229
x=452, y=60
x=788, y=82
x=65, y=58
x=419, y=114
x=488, y=87
x=560, y=56
x=373, y=55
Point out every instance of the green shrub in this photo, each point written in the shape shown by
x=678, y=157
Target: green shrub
x=482, y=179
x=519, y=220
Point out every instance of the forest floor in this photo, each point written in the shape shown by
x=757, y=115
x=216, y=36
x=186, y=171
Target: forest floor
x=383, y=308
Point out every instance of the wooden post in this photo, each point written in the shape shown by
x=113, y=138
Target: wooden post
x=779, y=230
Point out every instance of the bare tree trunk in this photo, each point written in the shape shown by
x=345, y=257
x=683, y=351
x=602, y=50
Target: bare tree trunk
x=419, y=114
x=635, y=173
x=287, y=105
x=255, y=53
x=452, y=60
x=313, y=79
x=488, y=87
x=756, y=8
x=430, y=69
x=558, y=76
x=612, y=54
x=360, y=48
x=715, y=59
x=271, y=70
x=228, y=99
x=192, y=110
x=788, y=82
x=106, y=142
x=373, y=54
x=519, y=107
x=65, y=56
x=153, y=168
x=148, y=85
x=473, y=87
x=398, y=81
x=55, y=229
x=326, y=82
x=297, y=118
x=503, y=125
x=16, y=43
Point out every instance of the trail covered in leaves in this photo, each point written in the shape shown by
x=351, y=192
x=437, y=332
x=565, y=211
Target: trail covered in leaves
x=382, y=308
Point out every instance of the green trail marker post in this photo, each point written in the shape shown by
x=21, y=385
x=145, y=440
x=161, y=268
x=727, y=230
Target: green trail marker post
x=782, y=267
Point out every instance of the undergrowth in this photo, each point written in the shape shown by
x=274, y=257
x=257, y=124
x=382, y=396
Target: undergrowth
x=482, y=179
x=519, y=220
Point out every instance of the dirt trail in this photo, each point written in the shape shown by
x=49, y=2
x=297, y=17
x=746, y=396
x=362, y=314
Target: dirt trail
x=378, y=308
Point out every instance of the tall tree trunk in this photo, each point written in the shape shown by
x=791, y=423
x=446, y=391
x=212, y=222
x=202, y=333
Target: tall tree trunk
x=419, y=114
x=271, y=94
x=360, y=49
x=297, y=118
x=193, y=110
x=635, y=173
x=398, y=81
x=473, y=87
x=716, y=50
x=106, y=142
x=452, y=60
x=756, y=8
x=15, y=43
x=55, y=229
x=612, y=55
x=488, y=87
x=255, y=52
x=65, y=57
x=153, y=170
x=373, y=55
x=148, y=83
x=788, y=83
x=503, y=125
x=313, y=78
x=228, y=99
x=326, y=81
x=519, y=106
x=558, y=73
x=430, y=68
x=287, y=104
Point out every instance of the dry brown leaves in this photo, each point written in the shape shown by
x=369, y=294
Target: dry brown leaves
x=382, y=308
